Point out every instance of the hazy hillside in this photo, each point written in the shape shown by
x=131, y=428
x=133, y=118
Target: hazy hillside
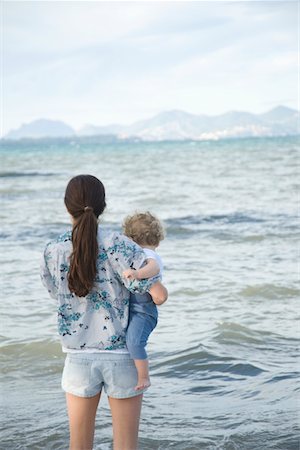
x=177, y=125
x=41, y=128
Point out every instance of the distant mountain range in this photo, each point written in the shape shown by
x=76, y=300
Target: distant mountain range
x=41, y=128
x=176, y=125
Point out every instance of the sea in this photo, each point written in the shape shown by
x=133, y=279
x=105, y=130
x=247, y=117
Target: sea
x=224, y=358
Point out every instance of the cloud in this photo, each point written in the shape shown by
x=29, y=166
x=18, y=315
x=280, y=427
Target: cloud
x=104, y=62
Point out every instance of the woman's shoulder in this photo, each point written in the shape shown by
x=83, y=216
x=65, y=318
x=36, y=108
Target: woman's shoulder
x=114, y=242
x=110, y=238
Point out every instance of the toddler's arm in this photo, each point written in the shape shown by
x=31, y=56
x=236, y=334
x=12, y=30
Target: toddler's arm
x=148, y=271
x=158, y=293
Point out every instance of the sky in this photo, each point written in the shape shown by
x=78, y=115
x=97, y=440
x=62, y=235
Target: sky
x=94, y=62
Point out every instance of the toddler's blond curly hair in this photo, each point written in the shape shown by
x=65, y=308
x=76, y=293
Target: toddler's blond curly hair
x=144, y=229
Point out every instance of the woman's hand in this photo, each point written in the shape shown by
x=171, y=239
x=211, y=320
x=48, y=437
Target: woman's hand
x=131, y=274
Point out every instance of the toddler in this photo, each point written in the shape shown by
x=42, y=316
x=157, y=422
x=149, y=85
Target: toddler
x=147, y=231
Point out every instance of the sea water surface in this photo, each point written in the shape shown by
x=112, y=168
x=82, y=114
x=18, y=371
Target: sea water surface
x=224, y=356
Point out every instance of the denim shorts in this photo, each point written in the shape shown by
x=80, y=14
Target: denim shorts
x=84, y=375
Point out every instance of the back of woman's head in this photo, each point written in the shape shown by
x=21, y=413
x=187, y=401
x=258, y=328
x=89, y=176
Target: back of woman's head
x=85, y=201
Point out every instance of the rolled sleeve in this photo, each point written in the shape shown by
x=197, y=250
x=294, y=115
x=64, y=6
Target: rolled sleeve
x=125, y=254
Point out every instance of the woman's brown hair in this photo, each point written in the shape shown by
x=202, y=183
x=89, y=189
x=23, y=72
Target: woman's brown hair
x=85, y=201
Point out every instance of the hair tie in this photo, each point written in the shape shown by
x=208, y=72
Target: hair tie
x=88, y=208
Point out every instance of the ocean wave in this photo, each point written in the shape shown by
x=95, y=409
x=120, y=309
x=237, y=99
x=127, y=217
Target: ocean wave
x=269, y=291
x=187, y=292
x=29, y=349
x=284, y=376
x=197, y=361
x=259, y=439
x=214, y=226
x=46, y=231
x=181, y=444
x=231, y=218
x=42, y=354
x=236, y=226
x=232, y=439
x=26, y=174
x=230, y=332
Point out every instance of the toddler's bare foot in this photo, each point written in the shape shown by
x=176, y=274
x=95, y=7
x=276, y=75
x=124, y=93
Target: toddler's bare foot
x=142, y=383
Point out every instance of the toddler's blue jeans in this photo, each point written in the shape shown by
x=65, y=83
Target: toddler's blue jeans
x=139, y=328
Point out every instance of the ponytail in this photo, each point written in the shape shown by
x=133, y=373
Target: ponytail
x=84, y=256
x=85, y=201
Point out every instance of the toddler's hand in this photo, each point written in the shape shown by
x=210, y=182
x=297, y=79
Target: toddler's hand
x=130, y=274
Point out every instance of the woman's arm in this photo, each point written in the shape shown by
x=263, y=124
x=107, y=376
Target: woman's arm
x=124, y=254
x=47, y=279
x=149, y=270
x=158, y=293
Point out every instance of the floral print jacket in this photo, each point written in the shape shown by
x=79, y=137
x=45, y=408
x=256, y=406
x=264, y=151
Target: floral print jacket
x=99, y=320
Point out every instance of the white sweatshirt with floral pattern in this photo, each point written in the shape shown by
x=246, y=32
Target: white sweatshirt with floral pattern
x=98, y=321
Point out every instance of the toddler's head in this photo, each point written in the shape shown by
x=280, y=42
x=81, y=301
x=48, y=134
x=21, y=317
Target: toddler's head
x=144, y=229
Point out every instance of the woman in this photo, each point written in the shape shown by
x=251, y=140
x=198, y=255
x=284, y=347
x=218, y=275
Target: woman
x=83, y=270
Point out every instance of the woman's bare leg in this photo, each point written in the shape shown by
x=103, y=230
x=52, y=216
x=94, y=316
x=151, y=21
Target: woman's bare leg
x=82, y=414
x=126, y=418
